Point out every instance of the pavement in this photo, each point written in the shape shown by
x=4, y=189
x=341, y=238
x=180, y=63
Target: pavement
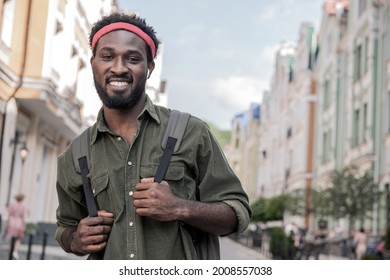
x=233, y=250
x=53, y=252
x=37, y=252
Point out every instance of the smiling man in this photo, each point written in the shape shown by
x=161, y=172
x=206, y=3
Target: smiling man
x=141, y=218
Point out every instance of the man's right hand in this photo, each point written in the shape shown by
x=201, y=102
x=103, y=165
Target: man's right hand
x=92, y=233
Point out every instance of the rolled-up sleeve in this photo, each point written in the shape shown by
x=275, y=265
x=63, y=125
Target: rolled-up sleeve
x=218, y=182
x=71, y=208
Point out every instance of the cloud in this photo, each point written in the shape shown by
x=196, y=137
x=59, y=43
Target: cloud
x=267, y=54
x=189, y=34
x=268, y=13
x=223, y=53
x=275, y=11
x=235, y=93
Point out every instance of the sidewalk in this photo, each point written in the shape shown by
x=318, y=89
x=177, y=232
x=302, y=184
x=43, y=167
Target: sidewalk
x=56, y=252
x=263, y=252
x=51, y=253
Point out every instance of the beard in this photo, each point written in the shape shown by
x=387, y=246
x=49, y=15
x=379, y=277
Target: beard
x=120, y=102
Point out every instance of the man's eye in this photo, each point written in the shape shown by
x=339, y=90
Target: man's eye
x=107, y=57
x=133, y=59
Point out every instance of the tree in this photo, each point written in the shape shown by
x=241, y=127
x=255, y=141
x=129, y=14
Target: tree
x=351, y=194
x=273, y=209
x=259, y=211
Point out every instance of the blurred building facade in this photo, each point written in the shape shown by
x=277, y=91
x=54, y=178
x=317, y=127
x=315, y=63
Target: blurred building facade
x=328, y=107
x=44, y=69
x=242, y=153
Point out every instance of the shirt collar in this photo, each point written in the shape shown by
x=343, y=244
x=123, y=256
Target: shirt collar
x=101, y=127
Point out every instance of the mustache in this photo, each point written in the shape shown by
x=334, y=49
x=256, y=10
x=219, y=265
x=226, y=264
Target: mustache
x=124, y=77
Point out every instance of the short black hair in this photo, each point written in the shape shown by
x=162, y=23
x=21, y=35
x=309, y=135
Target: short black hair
x=132, y=18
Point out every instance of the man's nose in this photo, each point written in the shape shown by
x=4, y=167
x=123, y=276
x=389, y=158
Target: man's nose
x=119, y=66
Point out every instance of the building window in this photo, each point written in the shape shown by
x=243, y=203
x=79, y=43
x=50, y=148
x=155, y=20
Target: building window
x=365, y=121
x=362, y=6
x=366, y=59
x=388, y=111
x=59, y=27
x=290, y=74
x=355, y=128
x=326, y=94
x=287, y=174
x=237, y=143
x=358, y=61
x=387, y=49
x=289, y=132
x=8, y=22
x=325, y=146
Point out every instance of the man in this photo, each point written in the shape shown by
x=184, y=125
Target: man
x=139, y=218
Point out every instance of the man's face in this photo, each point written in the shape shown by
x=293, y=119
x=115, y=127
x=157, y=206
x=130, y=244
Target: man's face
x=120, y=69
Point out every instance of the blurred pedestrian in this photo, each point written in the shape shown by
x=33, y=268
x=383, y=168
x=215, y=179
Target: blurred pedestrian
x=361, y=243
x=16, y=224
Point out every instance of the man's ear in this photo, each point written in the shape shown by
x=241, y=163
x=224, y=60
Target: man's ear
x=151, y=66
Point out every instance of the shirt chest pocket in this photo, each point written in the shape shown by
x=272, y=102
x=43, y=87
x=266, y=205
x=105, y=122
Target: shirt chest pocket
x=175, y=177
x=104, y=195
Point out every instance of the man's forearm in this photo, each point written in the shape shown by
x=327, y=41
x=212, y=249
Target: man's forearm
x=217, y=218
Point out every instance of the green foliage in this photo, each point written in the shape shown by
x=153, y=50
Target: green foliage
x=276, y=207
x=371, y=257
x=295, y=202
x=259, y=210
x=31, y=229
x=387, y=239
x=351, y=194
x=268, y=209
x=222, y=136
x=273, y=209
x=280, y=245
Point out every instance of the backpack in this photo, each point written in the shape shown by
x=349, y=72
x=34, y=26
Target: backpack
x=176, y=127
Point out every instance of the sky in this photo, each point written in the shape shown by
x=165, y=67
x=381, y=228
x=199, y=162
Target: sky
x=219, y=54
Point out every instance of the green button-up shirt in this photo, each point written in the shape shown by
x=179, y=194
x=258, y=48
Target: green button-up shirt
x=117, y=166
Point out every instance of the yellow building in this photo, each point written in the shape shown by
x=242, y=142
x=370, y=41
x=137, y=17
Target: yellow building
x=44, y=69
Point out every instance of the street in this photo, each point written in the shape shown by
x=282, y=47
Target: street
x=230, y=250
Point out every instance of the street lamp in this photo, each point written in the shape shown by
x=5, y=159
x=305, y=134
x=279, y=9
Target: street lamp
x=23, y=153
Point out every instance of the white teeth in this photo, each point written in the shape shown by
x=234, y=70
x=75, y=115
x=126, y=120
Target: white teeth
x=118, y=84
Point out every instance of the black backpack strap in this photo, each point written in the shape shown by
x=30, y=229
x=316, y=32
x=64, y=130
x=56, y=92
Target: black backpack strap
x=176, y=127
x=165, y=159
x=81, y=147
x=89, y=198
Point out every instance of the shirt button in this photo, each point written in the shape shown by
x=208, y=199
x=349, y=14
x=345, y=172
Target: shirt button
x=131, y=224
x=131, y=193
x=129, y=163
x=131, y=256
x=119, y=138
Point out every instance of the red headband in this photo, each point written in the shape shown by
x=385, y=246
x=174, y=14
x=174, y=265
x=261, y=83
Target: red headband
x=125, y=26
